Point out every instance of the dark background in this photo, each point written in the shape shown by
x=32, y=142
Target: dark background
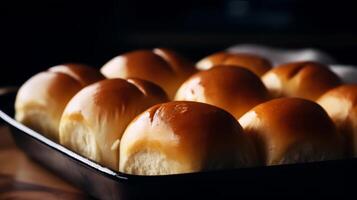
x=37, y=35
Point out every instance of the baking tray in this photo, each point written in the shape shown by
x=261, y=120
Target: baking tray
x=327, y=178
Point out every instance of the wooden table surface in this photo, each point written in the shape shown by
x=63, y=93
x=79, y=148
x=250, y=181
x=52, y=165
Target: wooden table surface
x=21, y=178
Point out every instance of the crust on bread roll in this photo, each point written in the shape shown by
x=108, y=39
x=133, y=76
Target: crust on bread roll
x=292, y=130
x=254, y=63
x=341, y=105
x=178, y=63
x=235, y=89
x=41, y=100
x=84, y=74
x=94, y=120
x=308, y=80
x=183, y=137
x=161, y=66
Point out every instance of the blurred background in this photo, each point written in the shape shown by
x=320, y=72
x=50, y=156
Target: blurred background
x=37, y=35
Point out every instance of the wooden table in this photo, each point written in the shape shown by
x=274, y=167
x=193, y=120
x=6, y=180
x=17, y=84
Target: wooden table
x=21, y=178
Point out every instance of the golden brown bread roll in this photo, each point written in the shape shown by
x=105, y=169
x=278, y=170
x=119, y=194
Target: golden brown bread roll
x=42, y=99
x=179, y=63
x=183, y=137
x=161, y=66
x=307, y=80
x=94, y=120
x=232, y=88
x=254, y=63
x=341, y=105
x=82, y=73
x=292, y=130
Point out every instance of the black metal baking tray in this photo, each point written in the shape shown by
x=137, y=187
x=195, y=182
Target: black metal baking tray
x=327, y=178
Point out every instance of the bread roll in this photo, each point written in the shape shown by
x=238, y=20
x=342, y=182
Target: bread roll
x=292, y=130
x=42, y=99
x=341, y=105
x=307, y=80
x=178, y=63
x=183, y=137
x=82, y=73
x=94, y=120
x=161, y=66
x=234, y=89
x=254, y=63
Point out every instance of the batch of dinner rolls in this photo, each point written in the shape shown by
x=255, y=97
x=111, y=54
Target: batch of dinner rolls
x=153, y=112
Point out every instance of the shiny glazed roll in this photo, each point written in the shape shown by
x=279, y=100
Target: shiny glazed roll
x=234, y=89
x=254, y=63
x=94, y=120
x=161, y=66
x=183, y=137
x=41, y=100
x=341, y=105
x=308, y=80
x=292, y=130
